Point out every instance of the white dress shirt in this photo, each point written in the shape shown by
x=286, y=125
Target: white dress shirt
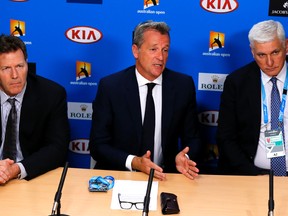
x=261, y=159
x=5, y=109
x=157, y=96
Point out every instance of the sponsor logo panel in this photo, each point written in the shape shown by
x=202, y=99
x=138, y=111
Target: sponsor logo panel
x=83, y=34
x=79, y=111
x=17, y=28
x=85, y=1
x=211, y=81
x=148, y=6
x=278, y=8
x=150, y=3
x=217, y=40
x=216, y=45
x=83, y=70
x=209, y=118
x=219, y=6
x=80, y=146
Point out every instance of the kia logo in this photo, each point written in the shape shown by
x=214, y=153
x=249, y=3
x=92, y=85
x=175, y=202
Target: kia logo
x=209, y=118
x=80, y=146
x=83, y=34
x=219, y=6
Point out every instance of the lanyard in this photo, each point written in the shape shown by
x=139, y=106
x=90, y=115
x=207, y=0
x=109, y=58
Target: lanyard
x=99, y=183
x=283, y=102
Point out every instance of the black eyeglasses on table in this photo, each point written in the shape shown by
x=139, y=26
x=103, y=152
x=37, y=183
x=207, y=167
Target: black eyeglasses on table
x=128, y=204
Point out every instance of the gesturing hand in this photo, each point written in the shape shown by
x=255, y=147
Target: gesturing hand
x=144, y=164
x=186, y=166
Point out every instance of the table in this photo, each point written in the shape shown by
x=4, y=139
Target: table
x=208, y=195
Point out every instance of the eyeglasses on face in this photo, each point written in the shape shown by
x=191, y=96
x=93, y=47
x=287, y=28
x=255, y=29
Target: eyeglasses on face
x=128, y=204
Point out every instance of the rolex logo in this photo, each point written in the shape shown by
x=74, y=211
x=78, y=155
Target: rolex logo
x=215, y=78
x=83, y=107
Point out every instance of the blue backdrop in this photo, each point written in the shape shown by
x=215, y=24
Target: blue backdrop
x=76, y=42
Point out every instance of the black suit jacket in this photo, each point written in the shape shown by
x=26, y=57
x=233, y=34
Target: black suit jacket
x=117, y=123
x=44, y=129
x=239, y=121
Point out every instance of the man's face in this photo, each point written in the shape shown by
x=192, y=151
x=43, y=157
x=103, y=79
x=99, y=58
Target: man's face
x=13, y=72
x=270, y=56
x=152, y=56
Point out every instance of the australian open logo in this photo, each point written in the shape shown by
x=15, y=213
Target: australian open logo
x=17, y=28
x=83, y=70
x=217, y=40
x=216, y=45
x=150, y=3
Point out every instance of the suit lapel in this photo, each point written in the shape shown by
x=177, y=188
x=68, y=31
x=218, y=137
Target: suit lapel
x=29, y=109
x=254, y=92
x=133, y=100
x=168, y=97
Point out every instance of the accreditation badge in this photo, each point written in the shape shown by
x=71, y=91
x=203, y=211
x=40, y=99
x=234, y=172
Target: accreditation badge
x=274, y=143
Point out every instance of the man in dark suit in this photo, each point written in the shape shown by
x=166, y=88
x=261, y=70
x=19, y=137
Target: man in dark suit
x=118, y=112
x=242, y=122
x=42, y=128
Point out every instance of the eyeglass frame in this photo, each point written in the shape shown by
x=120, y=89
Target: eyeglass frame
x=132, y=203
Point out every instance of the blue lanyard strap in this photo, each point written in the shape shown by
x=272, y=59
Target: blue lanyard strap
x=283, y=102
x=98, y=183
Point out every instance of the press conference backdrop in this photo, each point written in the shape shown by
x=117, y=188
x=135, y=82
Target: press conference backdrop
x=77, y=42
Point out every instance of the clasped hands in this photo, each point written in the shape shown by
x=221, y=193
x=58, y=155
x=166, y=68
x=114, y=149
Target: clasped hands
x=183, y=164
x=8, y=170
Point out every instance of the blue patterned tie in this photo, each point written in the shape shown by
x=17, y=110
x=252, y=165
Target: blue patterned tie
x=278, y=164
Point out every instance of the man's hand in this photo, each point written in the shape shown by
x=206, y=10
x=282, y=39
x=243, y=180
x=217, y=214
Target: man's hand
x=144, y=164
x=8, y=170
x=186, y=166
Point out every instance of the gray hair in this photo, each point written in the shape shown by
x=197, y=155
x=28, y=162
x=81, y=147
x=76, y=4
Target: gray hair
x=141, y=28
x=266, y=31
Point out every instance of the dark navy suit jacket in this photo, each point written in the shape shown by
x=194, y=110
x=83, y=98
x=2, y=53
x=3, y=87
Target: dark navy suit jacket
x=239, y=121
x=44, y=128
x=117, y=123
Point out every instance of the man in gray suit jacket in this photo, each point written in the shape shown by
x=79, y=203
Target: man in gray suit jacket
x=118, y=112
x=43, y=135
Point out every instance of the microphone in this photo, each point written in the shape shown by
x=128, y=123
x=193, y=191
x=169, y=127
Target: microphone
x=271, y=192
x=56, y=205
x=148, y=191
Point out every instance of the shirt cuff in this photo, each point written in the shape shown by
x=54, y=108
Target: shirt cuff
x=128, y=163
x=23, y=172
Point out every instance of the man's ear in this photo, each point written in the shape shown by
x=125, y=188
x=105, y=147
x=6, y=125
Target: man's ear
x=252, y=51
x=286, y=46
x=135, y=51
